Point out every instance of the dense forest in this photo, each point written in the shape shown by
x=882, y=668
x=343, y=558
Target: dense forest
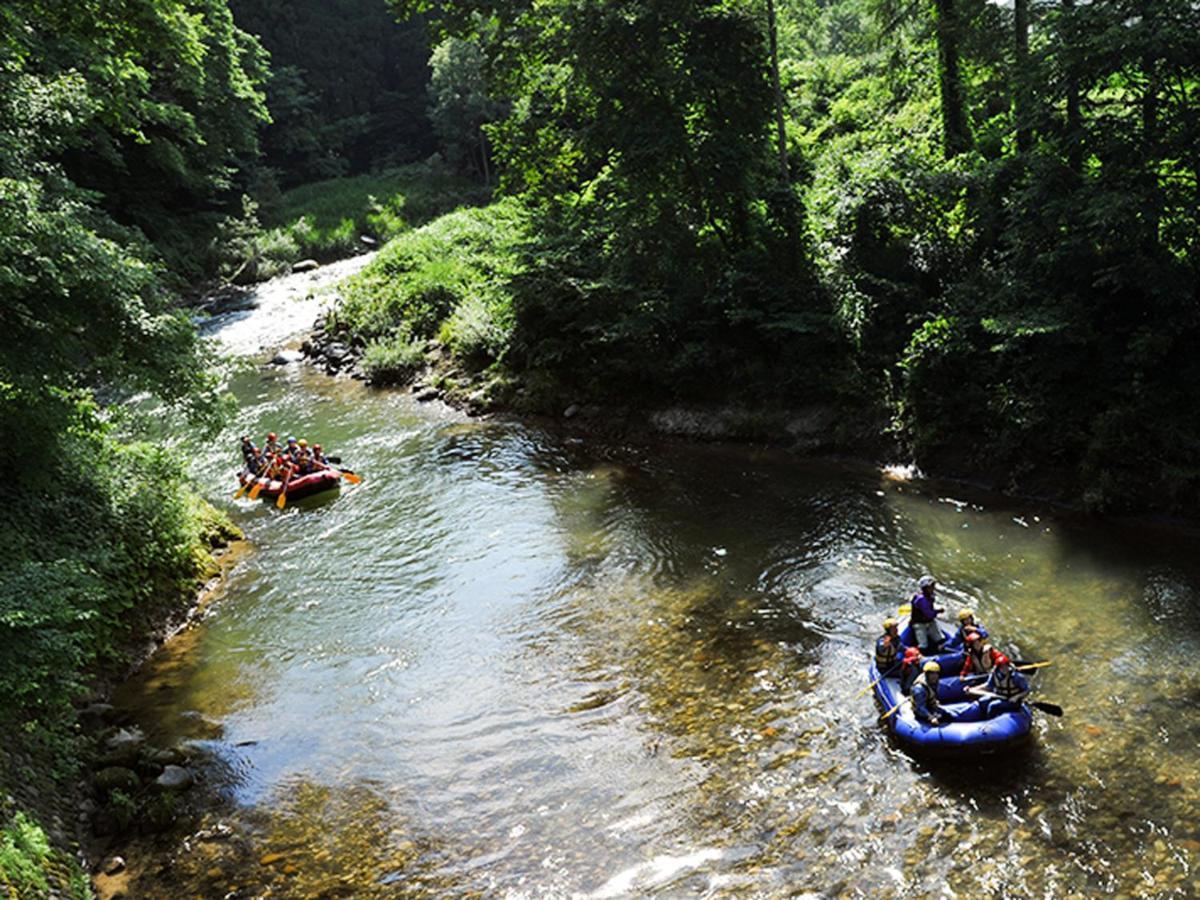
x=970, y=227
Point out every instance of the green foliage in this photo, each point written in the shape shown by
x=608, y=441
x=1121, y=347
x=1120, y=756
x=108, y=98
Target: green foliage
x=393, y=359
x=461, y=105
x=449, y=277
x=122, y=808
x=347, y=93
x=24, y=852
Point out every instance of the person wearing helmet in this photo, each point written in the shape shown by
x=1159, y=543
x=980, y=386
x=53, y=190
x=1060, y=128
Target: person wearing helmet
x=910, y=668
x=249, y=455
x=888, y=647
x=926, y=631
x=924, y=695
x=318, y=458
x=292, y=448
x=976, y=660
x=271, y=447
x=1004, y=689
x=304, y=457
x=967, y=623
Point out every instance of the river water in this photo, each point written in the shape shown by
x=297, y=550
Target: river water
x=518, y=663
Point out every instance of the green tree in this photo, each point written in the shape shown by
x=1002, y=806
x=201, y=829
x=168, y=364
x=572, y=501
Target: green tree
x=460, y=106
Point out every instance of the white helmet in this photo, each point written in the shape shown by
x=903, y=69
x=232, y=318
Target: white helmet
x=926, y=581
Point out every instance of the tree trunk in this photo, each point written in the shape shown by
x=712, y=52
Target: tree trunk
x=483, y=155
x=1021, y=110
x=955, y=132
x=784, y=176
x=1074, y=118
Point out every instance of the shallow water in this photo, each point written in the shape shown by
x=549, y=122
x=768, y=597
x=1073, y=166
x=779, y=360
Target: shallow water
x=517, y=663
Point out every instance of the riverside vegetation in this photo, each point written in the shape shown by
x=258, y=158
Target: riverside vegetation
x=973, y=226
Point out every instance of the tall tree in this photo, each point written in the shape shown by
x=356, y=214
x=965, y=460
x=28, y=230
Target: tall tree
x=1021, y=76
x=956, y=130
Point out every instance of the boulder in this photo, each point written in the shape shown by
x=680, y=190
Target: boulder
x=571, y=411
x=122, y=748
x=117, y=778
x=337, y=351
x=113, y=865
x=172, y=756
x=287, y=357
x=305, y=265
x=174, y=778
x=427, y=394
x=97, y=714
x=367, y=241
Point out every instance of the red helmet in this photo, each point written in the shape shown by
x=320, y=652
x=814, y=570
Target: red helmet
x=316, y=446
x=912, y=653
x=1001, y=660
x=271, y=436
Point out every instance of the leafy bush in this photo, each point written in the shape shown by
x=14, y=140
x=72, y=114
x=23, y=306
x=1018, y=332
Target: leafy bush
x=24, y=852
x=477, y=332
x=393, y=359
x=325, y=219
x=449, y=278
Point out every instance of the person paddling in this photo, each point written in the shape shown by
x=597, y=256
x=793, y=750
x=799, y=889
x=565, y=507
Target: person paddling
x=318, y=458
x=271, y=447
x=888, y=647
x=1006, y=686
x=910, y=668
x=925, y=703
x=926, y=631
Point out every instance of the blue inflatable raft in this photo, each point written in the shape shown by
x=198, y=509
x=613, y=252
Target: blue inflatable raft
x=971, y=734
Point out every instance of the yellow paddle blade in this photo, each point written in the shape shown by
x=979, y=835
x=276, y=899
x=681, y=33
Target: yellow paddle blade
x=868, y=687
x=905, y=610
x=282, y=501
x=352, y=478
x=888, y=714
x=241, y=490
x=256, y=490
x=1036, y=665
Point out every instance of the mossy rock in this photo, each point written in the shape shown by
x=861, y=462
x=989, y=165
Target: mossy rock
x=116, y=778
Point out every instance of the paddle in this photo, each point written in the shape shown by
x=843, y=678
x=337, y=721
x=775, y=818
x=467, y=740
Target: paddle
x=257, y=489
x=1050, y=709
x=348, y=475
x=876, y=681
x=888, y=714
x=245, y=487
x=282, y=501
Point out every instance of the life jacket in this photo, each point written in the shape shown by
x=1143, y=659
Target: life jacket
x=271, y=448
x=1004, y=683
x=924, y=694
x=886, y=652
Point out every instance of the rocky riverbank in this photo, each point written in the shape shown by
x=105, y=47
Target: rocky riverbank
x=67, y=802
x=808, y=429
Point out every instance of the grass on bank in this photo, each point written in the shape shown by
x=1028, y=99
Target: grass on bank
x=446, y=280
x=326, y=220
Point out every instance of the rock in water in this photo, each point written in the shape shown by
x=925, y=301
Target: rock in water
x=287, y=357
x=174, y=778
x=113, y=865
x=427, y=394
x=571, y=411
x=305, y=265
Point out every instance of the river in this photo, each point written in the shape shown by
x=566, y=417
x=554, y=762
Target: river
x=516, y=662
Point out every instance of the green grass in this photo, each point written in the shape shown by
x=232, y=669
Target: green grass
x=325, y=219
x=448, y=279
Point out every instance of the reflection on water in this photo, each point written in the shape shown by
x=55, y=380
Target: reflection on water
x=514, y=663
